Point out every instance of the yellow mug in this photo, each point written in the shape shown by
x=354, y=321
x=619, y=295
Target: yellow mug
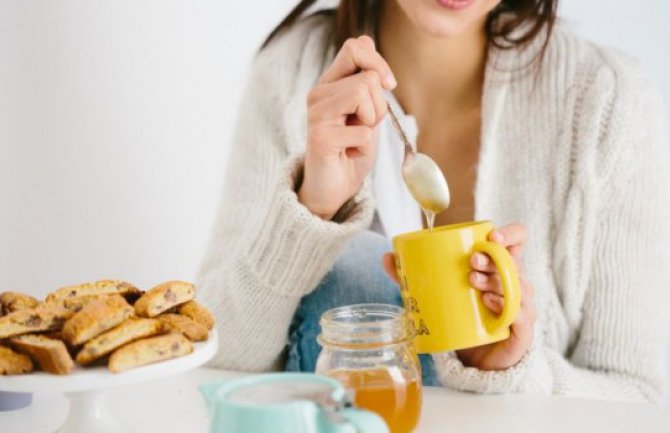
x=433, y=269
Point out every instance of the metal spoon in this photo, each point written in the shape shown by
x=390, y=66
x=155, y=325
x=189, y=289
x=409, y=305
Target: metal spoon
x=423, y=177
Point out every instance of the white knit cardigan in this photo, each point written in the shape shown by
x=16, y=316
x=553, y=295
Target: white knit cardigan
x=575, y=150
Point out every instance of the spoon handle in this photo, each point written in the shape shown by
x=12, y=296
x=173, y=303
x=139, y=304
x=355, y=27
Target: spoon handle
x=396, y=124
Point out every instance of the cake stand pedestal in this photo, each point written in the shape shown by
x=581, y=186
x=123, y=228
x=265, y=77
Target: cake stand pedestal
x=85, y=387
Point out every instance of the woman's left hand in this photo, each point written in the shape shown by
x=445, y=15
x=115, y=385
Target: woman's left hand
x=484, y=277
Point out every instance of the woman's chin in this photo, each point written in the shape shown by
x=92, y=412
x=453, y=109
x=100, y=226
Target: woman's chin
x=444, y=27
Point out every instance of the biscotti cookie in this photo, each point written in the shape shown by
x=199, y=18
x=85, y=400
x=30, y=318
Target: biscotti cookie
x=51, y=355
x=198, y=313
x=101, y=287
x=15, y=301
x=96, y=318
x=38, y=319
x=14, y=363
x=163, y=297
x=130, y=330
x=149, y=351
x=191, y=329
x=77, y=304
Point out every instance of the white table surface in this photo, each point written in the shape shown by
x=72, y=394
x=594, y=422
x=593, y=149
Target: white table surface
x=174, y=405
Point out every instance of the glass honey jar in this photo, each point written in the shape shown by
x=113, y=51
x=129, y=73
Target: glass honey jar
x=369, y=348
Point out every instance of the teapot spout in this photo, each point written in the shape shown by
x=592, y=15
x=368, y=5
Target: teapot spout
x=209, y=392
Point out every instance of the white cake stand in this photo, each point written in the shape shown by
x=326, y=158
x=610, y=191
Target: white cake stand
x=84, y=387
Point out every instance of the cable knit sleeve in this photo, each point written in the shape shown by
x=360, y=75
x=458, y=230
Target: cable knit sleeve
x=267, y=249
x=621, y=344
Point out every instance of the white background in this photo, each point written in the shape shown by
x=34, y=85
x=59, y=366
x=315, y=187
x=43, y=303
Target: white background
x=115, y=118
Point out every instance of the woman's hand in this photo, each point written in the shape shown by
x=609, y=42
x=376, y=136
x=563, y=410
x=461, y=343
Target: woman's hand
x=484, y=277
x=343, y=111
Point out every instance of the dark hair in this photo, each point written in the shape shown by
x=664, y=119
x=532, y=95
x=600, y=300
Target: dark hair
x=351, y=17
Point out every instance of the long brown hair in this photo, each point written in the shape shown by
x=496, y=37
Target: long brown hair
x=351, y=17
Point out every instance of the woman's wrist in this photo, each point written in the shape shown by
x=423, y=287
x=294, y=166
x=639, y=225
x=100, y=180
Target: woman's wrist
x=317, y=209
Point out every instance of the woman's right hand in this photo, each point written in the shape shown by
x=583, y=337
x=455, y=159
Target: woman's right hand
x=343, y=111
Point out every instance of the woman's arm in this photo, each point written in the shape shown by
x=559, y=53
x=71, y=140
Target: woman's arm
x=622, y=342
x=285, y=218
x=267, y=249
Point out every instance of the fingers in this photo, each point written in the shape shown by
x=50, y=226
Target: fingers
x=482, y=263
x=331, y=140
x=493, y=302
x=351, y=100
x=513, y=237
x=492, y=295
x=359, y=54
x=388, y=261
x=486, y=279
x=486, y=282
x=509, y=236
x=361, y=95
x=351, y=91
x=377, y=94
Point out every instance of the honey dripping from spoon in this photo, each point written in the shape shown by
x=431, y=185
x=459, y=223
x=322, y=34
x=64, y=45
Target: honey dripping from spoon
x=423, y=178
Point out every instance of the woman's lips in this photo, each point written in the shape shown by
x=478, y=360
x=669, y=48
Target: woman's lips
x=455, y=5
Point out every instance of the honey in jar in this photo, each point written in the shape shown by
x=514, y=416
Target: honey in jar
x=369, y=349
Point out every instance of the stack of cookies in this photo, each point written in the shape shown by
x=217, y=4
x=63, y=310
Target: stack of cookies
x=104, y=321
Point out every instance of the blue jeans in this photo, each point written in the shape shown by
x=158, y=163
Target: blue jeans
x=357, y=277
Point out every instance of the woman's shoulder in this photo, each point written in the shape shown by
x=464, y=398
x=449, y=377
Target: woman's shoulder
x=580, y=63
x=616, y=110
x=317, y=26
x=297, y=54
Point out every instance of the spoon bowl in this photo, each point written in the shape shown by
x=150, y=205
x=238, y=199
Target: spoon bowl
x=425, y=182
x=423, y=177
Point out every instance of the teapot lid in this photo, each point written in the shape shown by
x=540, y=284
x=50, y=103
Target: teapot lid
x=282, y=388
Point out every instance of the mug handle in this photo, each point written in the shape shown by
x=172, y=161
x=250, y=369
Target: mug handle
x=509, y=279
x=362, y=421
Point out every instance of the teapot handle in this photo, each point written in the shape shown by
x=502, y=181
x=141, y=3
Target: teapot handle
x=363, y=422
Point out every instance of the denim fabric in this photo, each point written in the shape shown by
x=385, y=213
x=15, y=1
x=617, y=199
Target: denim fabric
x=357, y=277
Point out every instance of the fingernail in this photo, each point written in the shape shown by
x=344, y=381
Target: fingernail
x=479, y=278
x=497, y=236
x=390, y=81
x=480, y=259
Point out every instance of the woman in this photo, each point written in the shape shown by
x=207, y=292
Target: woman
x=528, y=122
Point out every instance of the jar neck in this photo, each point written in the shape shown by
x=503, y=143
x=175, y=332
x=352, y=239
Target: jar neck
x=364, y=326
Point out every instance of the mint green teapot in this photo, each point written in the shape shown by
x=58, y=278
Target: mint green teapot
x=286, y=403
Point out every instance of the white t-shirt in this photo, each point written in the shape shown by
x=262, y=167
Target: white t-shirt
x=397, y=212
